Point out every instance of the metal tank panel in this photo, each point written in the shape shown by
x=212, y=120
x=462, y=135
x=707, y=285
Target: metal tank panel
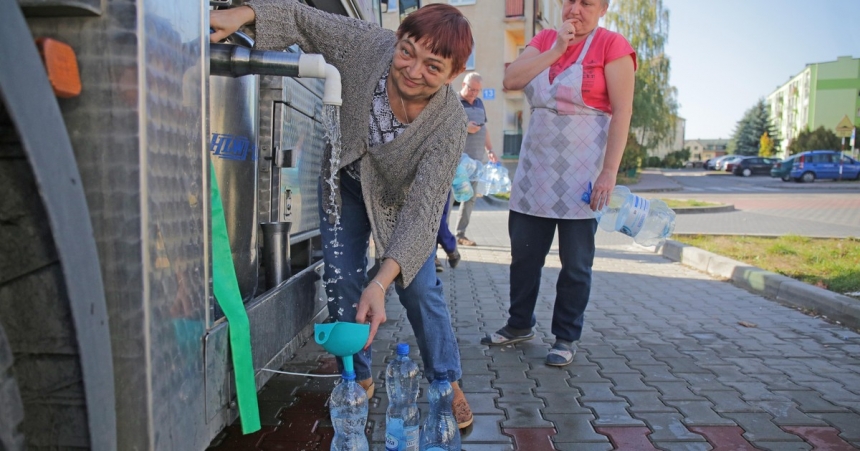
x=137, y=132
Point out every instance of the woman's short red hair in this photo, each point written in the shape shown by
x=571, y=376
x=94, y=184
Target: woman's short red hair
x=444, y=31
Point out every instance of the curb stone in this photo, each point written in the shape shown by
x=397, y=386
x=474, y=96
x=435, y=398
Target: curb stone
x=771, y=285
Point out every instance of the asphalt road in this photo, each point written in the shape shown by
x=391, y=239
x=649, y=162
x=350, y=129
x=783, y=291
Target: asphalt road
x=765, y=205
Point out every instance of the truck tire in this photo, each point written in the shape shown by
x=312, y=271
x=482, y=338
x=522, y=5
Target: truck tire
x=11, y=409
x=35, y=318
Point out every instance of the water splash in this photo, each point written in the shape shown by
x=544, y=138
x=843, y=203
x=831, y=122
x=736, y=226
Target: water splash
x=331, y=123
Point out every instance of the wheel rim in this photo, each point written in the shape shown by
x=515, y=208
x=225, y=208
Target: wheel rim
x=747, y=172
x=808, y=177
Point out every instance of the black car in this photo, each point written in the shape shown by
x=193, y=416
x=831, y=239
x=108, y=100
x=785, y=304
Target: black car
x=753, y=165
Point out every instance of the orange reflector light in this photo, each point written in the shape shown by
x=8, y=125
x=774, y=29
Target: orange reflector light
x=61, y=63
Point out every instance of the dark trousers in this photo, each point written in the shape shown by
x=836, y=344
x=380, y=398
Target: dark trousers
x=531, y=238
x=444, y=237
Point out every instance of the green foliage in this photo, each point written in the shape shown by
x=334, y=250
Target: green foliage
x=766, y=146
x=747, y=136
x=634, y=153
x=676, y=159
x=820, y=139
x=653, y=162
x=655, y=107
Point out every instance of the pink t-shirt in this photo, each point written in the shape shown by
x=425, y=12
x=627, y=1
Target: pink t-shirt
x=606, y=46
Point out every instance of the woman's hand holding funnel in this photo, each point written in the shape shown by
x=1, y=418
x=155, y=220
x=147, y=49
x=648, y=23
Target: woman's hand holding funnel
x=371, y=306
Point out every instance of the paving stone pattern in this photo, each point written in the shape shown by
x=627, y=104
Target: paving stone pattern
x=664, y=363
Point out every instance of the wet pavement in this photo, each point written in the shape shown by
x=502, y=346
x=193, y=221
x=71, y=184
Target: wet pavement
x=670, y=359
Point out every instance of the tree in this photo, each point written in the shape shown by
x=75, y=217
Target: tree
x=820, y=139
x=766, y=146
x=747, y=136
x=655, y=107
x=633, y=155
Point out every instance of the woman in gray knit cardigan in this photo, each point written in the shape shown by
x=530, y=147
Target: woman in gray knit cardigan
x=403, y=132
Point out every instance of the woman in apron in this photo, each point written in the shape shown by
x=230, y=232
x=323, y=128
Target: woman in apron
x=579, y=83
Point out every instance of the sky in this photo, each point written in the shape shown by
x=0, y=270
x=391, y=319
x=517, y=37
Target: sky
x=727, y=54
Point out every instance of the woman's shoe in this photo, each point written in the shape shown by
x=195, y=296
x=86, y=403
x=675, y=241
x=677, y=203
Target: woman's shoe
x=507, y=336
x=561, y=354
x=439, y=267
x=462, y=411
x=368, y=386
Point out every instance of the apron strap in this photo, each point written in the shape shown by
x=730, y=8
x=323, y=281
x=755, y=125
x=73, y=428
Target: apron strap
x=585, y=48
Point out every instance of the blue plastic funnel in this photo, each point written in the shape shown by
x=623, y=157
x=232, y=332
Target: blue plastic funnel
x=342, y=339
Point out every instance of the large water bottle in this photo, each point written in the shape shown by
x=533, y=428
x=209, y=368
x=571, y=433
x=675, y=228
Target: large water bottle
x=348, y=406
x=462, y=186
x=402, y=416
x=484, y=180
x=648, y=222
x=505, y=184
x=439, y=431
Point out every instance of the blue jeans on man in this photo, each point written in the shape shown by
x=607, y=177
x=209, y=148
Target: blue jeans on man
x=345, y=278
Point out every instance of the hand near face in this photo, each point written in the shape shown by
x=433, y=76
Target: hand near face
x=566, y=34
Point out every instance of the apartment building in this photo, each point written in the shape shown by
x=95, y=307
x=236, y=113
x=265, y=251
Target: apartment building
x=501, y=29
x=820, y=95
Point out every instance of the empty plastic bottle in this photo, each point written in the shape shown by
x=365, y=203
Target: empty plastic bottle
x=439, y=431
x=348, y=406
x=648, y=222
x=402, y=416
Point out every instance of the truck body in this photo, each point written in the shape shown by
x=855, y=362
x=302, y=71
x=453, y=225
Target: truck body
x=110, y=334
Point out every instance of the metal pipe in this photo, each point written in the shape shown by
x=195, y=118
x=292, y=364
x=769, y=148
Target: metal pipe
x=276, y=252
x=237, y=61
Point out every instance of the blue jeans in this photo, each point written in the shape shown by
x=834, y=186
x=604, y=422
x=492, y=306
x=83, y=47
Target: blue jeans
x=345, y=278
x=531, y=238
x=444, y=237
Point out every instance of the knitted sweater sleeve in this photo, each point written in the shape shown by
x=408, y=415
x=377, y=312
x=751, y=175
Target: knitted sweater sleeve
x=282, y=23
x=418, y=221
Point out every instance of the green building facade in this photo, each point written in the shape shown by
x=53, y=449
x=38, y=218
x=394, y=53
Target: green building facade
x=822, y=94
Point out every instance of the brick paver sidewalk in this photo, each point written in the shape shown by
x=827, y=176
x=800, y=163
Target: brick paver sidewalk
x=670, y=359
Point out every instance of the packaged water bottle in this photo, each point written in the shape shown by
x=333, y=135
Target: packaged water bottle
x=348, y=406
x=402, y=416
x=462, y=189
x=648, y=222
x=439, y=431
x=468, y=165
x=484, y=180
x=505, y=184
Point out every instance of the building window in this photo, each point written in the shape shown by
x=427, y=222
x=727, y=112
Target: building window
x=462, y=2
x=470, y=63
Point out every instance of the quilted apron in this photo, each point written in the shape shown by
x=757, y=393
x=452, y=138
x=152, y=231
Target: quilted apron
x=563, y=148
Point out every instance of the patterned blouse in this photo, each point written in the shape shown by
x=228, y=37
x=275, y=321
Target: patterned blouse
x=384, y=127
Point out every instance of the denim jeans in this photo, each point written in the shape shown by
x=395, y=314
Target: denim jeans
x=345, y=278
x=444, y=237
x=531, y=238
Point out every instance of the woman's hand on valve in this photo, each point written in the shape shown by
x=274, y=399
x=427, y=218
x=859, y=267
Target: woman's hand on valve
x=224, y=22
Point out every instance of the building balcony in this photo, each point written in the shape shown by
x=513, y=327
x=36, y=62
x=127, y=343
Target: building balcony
x=515, y=8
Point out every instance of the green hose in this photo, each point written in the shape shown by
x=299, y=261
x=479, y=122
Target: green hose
x=227, y=294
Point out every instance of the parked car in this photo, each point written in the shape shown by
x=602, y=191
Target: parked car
x=823, y=164
x=712, y=163
x=729, y=164
x=753, y=166
x=782, y=169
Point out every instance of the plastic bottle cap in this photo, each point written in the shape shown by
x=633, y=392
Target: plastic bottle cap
x=441, y=376
x=403, y=349
x=349, y=375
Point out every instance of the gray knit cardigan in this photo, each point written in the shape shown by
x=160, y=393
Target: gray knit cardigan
x=406, y=181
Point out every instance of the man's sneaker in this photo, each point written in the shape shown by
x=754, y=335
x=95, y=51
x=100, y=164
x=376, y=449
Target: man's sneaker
x=561, y=354
x=463, y=241
x=462, y=411
x=453, y=259
x=368, y=386
x=507, y=335
x=439, y=267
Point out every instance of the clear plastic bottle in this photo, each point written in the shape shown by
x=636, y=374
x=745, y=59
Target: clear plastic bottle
x=439, y=431
x=505, y=182
x=648, y=222
x=348, y=406
x=402, y=416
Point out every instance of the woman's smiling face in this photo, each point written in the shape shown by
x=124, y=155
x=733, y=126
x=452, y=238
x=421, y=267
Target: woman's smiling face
x=418, y=73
